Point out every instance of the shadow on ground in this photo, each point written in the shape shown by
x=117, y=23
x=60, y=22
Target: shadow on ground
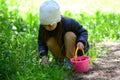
x=105, y=67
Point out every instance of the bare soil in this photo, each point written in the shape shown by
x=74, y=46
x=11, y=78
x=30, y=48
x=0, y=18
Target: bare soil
x=105, y=67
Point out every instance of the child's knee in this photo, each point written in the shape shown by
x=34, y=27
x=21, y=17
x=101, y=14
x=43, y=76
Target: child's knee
x=69, y=36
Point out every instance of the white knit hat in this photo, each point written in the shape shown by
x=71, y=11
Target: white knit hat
x=49, y=12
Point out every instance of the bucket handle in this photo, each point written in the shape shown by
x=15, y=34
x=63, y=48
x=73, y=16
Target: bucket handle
x=76, y=54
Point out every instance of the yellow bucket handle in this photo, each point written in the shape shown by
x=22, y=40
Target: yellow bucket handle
x=76, y=54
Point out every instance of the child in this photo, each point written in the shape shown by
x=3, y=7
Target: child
x=59, y=34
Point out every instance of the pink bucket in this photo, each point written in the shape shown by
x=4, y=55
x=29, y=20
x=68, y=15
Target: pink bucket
x=81, y=64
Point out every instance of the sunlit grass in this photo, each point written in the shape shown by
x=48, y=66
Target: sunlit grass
x=76, y=6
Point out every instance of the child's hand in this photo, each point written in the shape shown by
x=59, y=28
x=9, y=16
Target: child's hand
x=80, y=45
x=44, y=60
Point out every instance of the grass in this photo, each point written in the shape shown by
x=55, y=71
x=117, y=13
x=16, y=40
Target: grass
x=18, y=40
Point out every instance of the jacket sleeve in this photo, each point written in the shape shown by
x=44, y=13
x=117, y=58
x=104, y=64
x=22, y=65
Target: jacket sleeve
x=42, y=48
x=81, y=33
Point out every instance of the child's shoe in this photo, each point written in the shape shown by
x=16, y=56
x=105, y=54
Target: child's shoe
x=67, y=64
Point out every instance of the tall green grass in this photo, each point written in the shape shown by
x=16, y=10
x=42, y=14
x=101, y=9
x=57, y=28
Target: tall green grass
x=101, y=26
x=18, y=42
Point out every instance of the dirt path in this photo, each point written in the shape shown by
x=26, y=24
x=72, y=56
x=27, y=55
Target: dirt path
x=106, y=67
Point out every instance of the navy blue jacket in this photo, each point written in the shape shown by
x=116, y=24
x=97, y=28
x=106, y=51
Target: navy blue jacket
x=68, y=25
